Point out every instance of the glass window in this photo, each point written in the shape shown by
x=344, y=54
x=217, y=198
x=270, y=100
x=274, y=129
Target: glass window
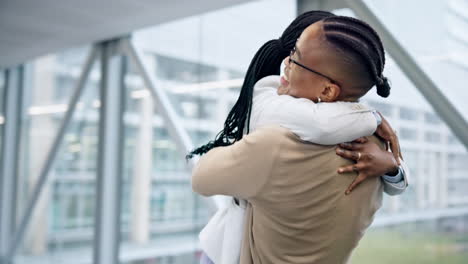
x=384, y=108
x=457, y=160
x=184, y=71
x=64, y=85
x=432, y=137
x=432, y=118
x=453, y=140
x=457, y=189
x=437, y=176
x=408, y=134
x=438, y=46
x=66, y=208
x=201, y=69
x=190, y=109
x=408, y=114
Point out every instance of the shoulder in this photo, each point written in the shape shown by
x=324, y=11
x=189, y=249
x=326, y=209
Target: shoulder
x=270, y=133
x=268, y=139
x=272, y=139
x=341, y=106
x=272, y=81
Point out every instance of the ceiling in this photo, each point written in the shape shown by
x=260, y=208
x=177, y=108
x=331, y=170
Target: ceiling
x=32, y=28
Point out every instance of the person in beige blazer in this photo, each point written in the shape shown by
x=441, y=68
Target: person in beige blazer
x=297, y=210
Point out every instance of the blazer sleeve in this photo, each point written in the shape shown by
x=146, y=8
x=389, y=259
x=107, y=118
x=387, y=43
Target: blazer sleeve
x=238, y=170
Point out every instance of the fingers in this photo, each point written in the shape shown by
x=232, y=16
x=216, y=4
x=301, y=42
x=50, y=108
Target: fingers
x=349, y=168
x=355, y=145
x=350, y=145
x=353, y=155
x=360, y=178
x=383, y=133
x=396, y=155
x=361, y=140
x=395, y=147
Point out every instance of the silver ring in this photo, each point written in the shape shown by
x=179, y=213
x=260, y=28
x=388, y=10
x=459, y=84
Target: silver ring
x=358, y=156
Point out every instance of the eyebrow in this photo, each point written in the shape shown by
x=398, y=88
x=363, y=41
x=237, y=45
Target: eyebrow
x=298, y=51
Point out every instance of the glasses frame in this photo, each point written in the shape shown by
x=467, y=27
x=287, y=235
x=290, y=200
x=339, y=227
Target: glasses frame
x=291, y=60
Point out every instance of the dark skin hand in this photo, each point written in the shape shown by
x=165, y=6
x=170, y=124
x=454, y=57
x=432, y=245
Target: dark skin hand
x=371, y=160
x=386, y=133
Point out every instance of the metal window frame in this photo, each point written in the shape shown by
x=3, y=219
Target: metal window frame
x=13, y=112
x=176, y=130
x=19, y=233
x=107, y=217
x=110, y=156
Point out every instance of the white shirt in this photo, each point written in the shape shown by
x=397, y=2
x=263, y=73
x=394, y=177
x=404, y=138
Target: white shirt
x=320, y=123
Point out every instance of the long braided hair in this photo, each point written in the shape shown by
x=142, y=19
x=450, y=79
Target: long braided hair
x=359, y=40
x=267, y=61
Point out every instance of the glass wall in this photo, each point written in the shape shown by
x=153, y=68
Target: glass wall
x=63, y=220
x=200, y=62
x=428, y=223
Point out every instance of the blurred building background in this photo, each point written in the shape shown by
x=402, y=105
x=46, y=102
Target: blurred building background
x=199, y=61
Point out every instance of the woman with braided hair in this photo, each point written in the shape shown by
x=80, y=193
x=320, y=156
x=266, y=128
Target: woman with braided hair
x=335, y=62
x=266, y=62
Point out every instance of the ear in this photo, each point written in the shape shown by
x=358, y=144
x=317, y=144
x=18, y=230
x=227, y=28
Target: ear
x=330, y=92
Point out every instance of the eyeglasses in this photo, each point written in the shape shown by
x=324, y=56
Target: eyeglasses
x=293, y=51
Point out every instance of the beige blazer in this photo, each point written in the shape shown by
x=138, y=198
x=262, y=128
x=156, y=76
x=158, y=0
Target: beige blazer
x=297, y=212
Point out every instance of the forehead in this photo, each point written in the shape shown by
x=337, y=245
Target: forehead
x=317, y=53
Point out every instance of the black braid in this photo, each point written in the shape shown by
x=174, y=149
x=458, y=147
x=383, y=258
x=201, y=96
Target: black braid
x=364, y=27
x=356, y=32
x=357, y=37
x=267, y=61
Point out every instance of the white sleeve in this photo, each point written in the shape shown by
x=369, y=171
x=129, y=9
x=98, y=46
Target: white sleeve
x=395, y=188
x=322, y=123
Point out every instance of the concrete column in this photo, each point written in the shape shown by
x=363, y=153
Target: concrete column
x=110, y=156
x=420, y=178
x=12, y=109
x=443, y=170
x=434, y=169
x=141, y=184
x=41, y=134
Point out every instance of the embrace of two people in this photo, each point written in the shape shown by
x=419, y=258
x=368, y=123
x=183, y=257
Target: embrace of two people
x=305, y=162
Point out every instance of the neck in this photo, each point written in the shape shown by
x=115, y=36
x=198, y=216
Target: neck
x=348, y=98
